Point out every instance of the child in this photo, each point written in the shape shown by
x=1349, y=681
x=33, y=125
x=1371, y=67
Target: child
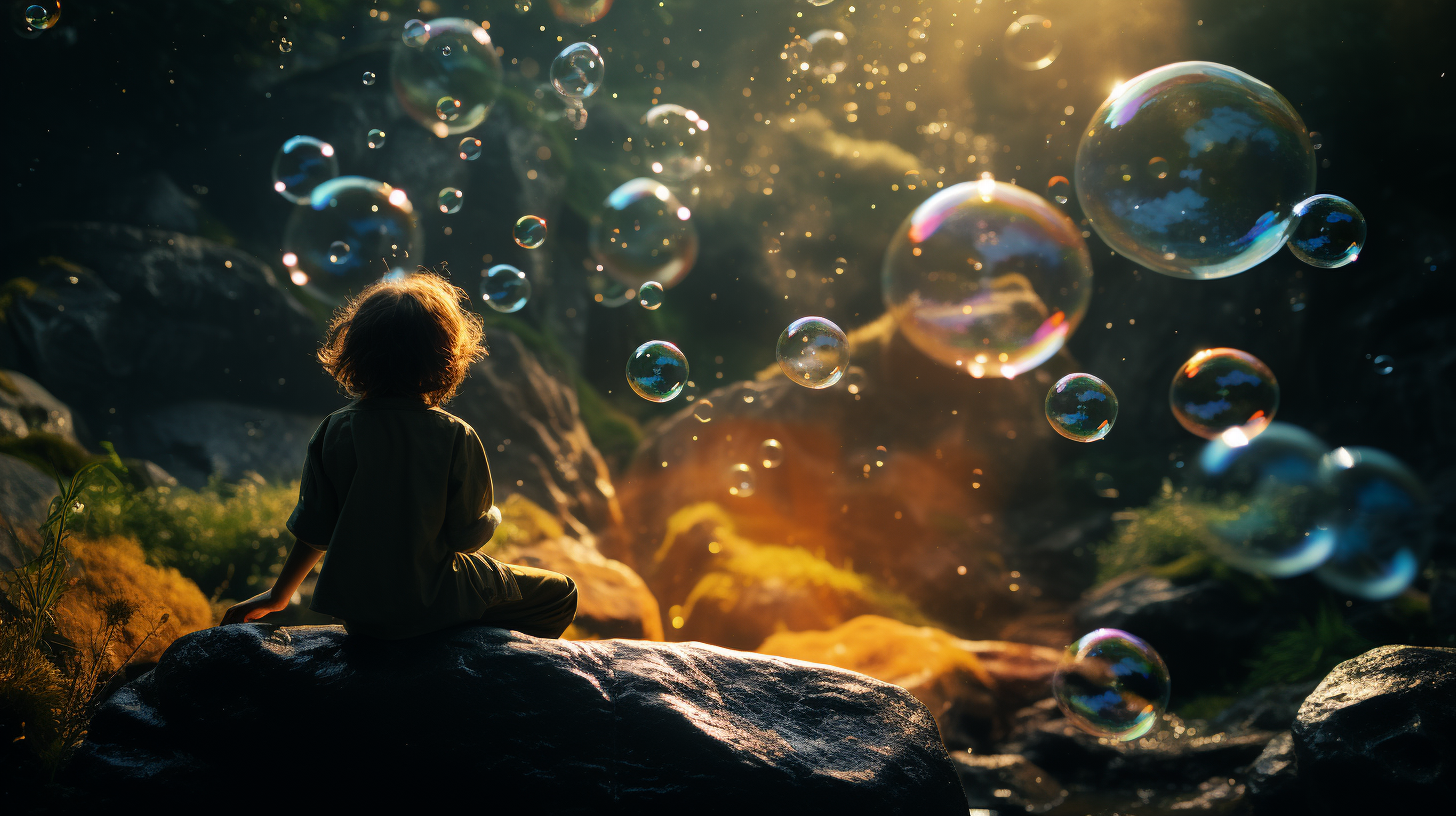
x=396, y=494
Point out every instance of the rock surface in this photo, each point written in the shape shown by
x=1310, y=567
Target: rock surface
x=197, y=440
x=25, y=499
x=612, y=600
x=994, y=781
x=559, y=727
x=1381, y=731
x=26, y=407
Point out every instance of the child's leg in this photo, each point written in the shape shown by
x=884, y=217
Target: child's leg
x=547, y=605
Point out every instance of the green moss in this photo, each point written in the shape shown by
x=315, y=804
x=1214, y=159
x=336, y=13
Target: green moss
x=614, y=433
x=228, y=538
x=1205, y=707
x=51, y=454
x=1306, y=652
x=1171, y=532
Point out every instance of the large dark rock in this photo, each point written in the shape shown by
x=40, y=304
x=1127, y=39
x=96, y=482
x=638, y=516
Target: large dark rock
x=197, y=440
x=1380, y=733
x=527, y=416
x=116, y=317
x=509, y=721
x=26, y=407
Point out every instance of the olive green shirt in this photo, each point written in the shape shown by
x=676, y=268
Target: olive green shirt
x=397, y=494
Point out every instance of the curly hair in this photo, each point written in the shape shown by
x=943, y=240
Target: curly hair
x=403, y=337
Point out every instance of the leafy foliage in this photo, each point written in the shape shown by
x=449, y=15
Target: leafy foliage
x=1308, y=651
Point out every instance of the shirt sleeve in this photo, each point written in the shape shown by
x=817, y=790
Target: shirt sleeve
x=317, y=510
x=471, y=495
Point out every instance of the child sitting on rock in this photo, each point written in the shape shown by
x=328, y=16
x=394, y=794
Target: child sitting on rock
x=396, y=494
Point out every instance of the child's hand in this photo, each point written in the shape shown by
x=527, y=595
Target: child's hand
x=254, y=608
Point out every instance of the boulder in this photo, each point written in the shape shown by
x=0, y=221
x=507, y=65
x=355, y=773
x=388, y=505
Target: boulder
x=197, y=440
x=526, y=413
x=994, y=781
x=1273, y=780
x=26, y=407
x=612, y=599
x=972, y=687
x=25, y=500
x=1380, y=732
x=596, y=727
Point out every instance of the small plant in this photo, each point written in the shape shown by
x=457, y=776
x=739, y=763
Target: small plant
x=1308, y=651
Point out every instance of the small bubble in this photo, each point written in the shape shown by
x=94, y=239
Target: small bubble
x=703, y=409
x=450, y=200
x=741, y=481
x=368, y=77
x=813, y=352
x=375, y=139
x=650, y=295
x=1112, y=684
x=771, y=453
x=530, y=231
x=448, y=109
x=657, y=371
x=505, y=288
x=470, y=148
x=1081, y=407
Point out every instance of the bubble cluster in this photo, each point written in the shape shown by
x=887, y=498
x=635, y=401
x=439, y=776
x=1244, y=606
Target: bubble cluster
x=529, y=231
x=813, y=352
x=580, y=12
x=375, y=139
x=1223, y=388
x=1194, y=169
x=771, y=453
x=650, y=295
x=676, y=142
x=644, y=234
x=578, y=71
x=368, y=77
x=450, y=200
x=1081, y=407
x=1381, y=522
x=302, y=164
x=470, y=148
x=375, y=221
x=741, y=481
x=1030, y=44
x=1266, y=499
x=987, y=277
x=828, y=52
x=505, y=288
x=469, y=77
x=1112, y=684
x=1330, y=232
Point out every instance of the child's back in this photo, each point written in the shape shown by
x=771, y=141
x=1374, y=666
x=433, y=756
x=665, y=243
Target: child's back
x=397, y=491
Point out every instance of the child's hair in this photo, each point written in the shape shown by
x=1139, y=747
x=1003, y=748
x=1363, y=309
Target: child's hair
x=403, y=338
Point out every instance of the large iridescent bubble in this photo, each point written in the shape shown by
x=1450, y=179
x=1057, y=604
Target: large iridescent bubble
x=1381, y=523
x=374, y=222
x=813, y=352
x=1194, y=170
x=302, y=164
x=578, y=71
x=1222, y=388
x=657, y=371
x=644, y=234
x=987, y=277
x=1330, y=233
x=1267, y=500
x=1081, y=407
x=425, y=74
x=1112, y=684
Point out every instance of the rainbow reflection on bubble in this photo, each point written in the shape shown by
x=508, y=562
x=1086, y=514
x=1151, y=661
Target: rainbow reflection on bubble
x=1222, y=388
x=987, y=277
x=1081, y=407
x=1381, y=522
x=657, y=371
x=1112, y=684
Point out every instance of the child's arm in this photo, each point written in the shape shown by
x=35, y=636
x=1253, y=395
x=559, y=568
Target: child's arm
x=300, y=560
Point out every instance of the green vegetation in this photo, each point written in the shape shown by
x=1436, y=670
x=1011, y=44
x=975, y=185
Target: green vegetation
x=1308, y=651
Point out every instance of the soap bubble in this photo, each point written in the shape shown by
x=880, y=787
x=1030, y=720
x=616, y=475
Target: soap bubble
x=1081, y=407
x=285, y=45
x=580, y=12
x=338, y=252
x=1222, y=388
x=1112, y=684
x=820, y=2
x=796, y=53
x=1030, y=44
x=650, y=295
x=1384, y=364
x=676, y=142
x=505, y=288
x=829, y=50
x=987, y=277
x=657, y=371
x=450, y=200
x=813, y=352
x=1330, y=232
x=444, y=50
x=771, y=453
x=302, y=164
x=42, y=15
x=368, y=77
x=415, y=33
x=578, y=71
x=703, y=409
x=530, y=231
x=1381, y=523
x=741, y=481
x=376, y=221
x=1238, y=157
x=448, y=108
x=470, y=148
x=1267, y=499
x=375, y=139
x=470, y=78
x=1058, y=189
x=644, y=234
